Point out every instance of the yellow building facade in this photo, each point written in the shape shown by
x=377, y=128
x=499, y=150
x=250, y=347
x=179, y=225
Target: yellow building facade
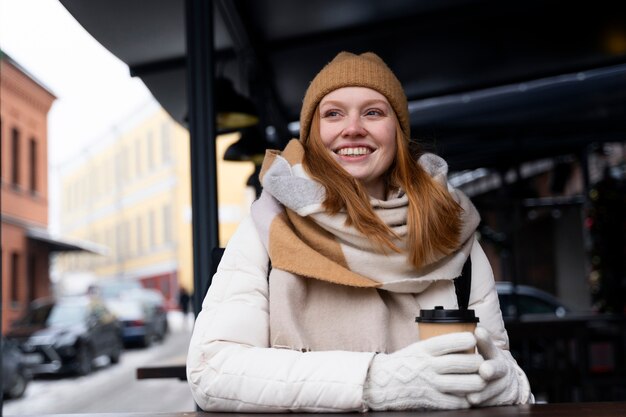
x=131, y=193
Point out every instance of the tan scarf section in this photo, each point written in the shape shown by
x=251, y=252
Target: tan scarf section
x=329, y=287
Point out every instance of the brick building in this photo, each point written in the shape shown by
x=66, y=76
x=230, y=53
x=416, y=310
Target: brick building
x=26, y=242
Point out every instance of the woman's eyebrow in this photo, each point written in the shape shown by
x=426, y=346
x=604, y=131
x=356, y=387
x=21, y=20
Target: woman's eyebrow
x=332, y=103
x=376, y=101
x=366, y=103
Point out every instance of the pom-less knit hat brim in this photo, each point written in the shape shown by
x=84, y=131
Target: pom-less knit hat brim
x=350, y=70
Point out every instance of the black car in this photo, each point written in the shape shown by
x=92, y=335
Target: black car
x=525, y=300
x=142, y=311
x=66, y=335
x=138, y=324
x=15, y=374
x=155, y=304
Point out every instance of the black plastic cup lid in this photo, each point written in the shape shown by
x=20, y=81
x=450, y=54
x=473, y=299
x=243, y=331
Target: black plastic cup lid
x=441, y=315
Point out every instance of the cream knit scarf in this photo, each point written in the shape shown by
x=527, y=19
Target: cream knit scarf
x=330, y=288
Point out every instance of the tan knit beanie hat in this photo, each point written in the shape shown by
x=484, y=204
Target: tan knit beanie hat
x=350, y=70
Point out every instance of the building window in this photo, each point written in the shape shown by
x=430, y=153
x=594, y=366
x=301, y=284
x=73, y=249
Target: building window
x=138, y=157
x=15, y=156
x=167, y=223
x=139, y=236
x=150, y=151
x=33, y=165
x=165, y=142
x=151, y=239
x=32, y=276
x=15, y=277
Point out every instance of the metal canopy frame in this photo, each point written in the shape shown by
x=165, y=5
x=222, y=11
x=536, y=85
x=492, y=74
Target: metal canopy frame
x=490, y=83
x=202, y=133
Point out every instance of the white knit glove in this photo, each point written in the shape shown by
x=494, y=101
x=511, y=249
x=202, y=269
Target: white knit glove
x=429, y=374
x=506, y=382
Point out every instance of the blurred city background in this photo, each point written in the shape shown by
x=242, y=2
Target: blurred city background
x=104, y=174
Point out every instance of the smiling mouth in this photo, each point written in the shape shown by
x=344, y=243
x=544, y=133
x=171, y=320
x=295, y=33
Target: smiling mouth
x=358, y=151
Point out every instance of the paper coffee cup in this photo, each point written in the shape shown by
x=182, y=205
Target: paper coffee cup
x=440, y=321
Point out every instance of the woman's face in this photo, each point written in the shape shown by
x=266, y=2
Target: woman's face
x=358, y=127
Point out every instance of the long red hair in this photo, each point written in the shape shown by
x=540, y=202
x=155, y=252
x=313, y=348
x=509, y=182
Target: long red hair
x=433, y=218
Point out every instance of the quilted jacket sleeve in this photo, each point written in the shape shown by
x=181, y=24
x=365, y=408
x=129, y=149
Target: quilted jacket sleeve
x=484, y=300
x=230, y=366
x=484, y=297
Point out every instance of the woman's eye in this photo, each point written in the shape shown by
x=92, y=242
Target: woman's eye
x=331, y=113
x=374, y=112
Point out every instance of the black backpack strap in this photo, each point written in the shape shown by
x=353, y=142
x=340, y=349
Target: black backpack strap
x=463, y=285
x=216, y=258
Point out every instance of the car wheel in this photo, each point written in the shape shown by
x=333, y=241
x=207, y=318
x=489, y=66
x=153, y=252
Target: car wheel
x=161, y=333
x=19, y=386
x=147, y=340
x=84, y=360
x=116, y=351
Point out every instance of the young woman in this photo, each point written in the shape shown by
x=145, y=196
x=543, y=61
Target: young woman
x=313, y=305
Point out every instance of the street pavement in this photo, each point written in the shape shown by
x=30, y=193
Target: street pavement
x=114, y=388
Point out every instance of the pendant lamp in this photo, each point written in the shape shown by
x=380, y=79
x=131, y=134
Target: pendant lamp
x=249, y=148
x=232, y=110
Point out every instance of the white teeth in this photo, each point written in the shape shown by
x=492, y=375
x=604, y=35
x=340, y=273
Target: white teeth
x=354, y=151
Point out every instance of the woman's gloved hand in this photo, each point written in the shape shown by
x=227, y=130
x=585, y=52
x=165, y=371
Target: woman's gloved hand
x=506, y=382
x=429, y=374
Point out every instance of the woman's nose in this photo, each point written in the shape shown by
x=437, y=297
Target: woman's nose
x=354, y=127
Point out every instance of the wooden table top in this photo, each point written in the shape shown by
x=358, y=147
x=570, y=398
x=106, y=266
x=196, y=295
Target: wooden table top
x=608, y=409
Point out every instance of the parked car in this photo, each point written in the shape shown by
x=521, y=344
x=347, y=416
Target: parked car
x=141, y=311
x=15, y=374
x=66, y=334
x=138, y=324
x=527, y=300
x=155, y=303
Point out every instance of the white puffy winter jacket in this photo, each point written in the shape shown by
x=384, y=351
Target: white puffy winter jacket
x=230, y=366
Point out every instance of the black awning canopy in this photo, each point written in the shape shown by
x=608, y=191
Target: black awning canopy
x=450, y=48
x=58, y=244
x=482, y=76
